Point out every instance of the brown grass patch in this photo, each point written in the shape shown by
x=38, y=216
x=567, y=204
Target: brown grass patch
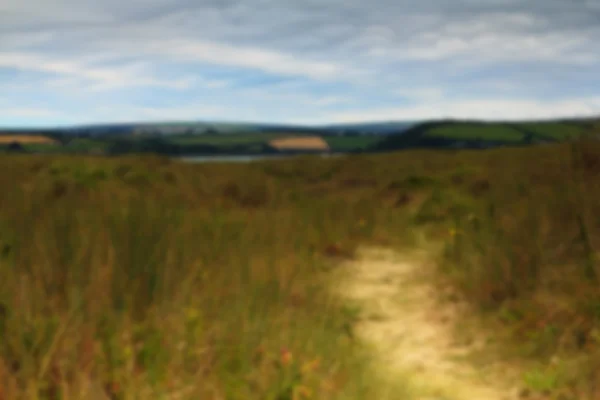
x=300, y=143
x=26, y=139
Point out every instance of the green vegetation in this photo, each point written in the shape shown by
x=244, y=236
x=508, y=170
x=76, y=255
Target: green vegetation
x=349, y=143
x=456, y=134
x=526, y=252
x=497, y=132
x=553, y=130
x=225, y=139
x=151, y=278
x=250, y=143
x=74, y=146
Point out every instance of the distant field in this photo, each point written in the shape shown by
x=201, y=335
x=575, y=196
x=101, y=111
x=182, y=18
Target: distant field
x=306, y=142
x=74, y=146
x=26, y=139
x=553, y=130
x=225, y=139
x=342, y=143
x=476, y=132
x=337, y=143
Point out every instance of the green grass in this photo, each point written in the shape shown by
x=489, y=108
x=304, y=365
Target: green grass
x=476, y=132
x=152, y=277
x=553, y=130
x=341, y=143
x=74, y=146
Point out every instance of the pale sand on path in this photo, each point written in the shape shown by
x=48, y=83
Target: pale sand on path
x=412, y=331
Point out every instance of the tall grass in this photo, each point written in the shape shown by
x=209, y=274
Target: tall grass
x=529, y=253
x=146, y=278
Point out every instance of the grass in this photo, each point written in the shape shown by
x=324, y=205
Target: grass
x=26, y=139
x=554, y=130
x=341, y=143
x=474, y=132
x=152, y=278
x=145, y=277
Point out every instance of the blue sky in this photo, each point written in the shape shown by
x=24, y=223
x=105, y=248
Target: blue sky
x=65, y=62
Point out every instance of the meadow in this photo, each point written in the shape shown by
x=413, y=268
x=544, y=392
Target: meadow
x=143, y=277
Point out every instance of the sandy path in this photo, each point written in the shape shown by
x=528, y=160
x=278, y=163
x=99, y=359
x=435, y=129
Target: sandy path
x=412, y=330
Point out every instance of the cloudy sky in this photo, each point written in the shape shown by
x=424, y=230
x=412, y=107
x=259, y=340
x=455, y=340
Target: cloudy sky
x=297, y=61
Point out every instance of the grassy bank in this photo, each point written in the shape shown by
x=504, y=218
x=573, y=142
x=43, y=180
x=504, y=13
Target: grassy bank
x=149, y=278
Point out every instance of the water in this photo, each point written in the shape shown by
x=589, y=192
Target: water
x=242, y=158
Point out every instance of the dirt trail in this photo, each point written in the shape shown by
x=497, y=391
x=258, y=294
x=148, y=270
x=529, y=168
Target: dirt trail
x=412, y=330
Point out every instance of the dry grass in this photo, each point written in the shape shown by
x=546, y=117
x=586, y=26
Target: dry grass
x=26, y=139
x=150, y=276
x=300, y=143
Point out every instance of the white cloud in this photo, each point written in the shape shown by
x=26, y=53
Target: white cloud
x=76, y=74
x=477, y=109
x=243, y=56
x=329, y=100
x=23, y=40
x=305, y=57
x=128, y=113
x=491, y=47
x=30, y=112
x=421, y=94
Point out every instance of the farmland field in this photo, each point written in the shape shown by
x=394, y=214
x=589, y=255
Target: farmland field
x=341, y=143
x=553, y=130
x=26, y=139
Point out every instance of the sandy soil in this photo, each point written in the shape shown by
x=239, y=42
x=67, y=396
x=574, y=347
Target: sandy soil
x=411, y=328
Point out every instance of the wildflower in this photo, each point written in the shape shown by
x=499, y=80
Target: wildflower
x=128, y=352
x=286, y=356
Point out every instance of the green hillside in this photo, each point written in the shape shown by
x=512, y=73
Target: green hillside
x=501, y=133
x=467, y=134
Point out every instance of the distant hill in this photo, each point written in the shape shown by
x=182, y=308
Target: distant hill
x=204, y=127
x=176, y=138
x=476, y=134
x=377, y=128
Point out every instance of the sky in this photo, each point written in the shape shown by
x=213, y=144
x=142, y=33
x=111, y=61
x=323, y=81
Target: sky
x=69, y=62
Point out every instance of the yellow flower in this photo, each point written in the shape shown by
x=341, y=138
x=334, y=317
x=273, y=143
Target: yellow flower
x=128, y=352
x=362, y=222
